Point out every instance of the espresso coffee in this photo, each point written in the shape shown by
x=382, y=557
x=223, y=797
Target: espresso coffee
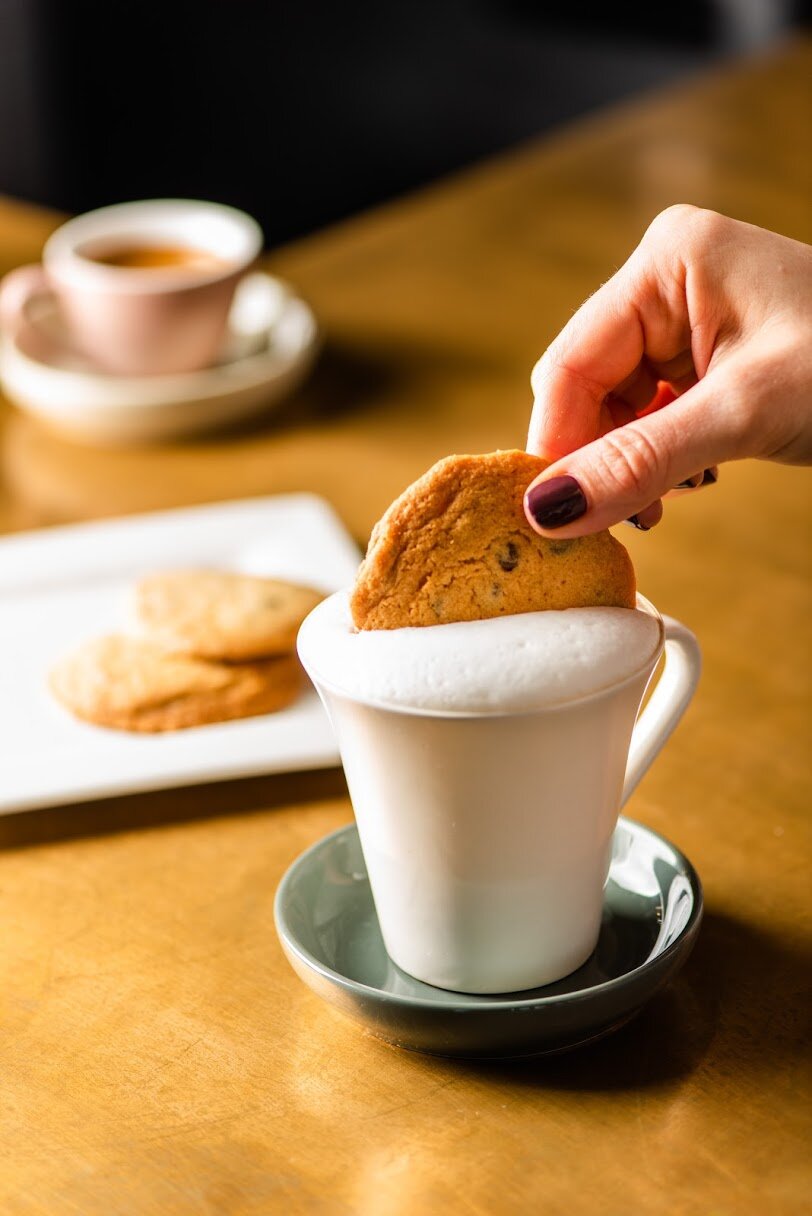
x=156, y=257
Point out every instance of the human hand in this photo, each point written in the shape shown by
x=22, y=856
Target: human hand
x=718, y=310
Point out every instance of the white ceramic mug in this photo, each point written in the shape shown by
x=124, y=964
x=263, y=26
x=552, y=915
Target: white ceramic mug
x=134, y=321
x=488, y=837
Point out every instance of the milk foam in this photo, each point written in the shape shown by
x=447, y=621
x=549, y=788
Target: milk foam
x=504, y=664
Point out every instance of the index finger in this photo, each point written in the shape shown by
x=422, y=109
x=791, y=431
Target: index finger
x=640, y=313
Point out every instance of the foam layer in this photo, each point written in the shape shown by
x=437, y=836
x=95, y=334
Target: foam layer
x=505, y=664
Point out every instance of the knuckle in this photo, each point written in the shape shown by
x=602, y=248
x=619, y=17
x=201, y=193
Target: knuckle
x=674, y=219
x=683, y=221
x=539, y=374
x=631, y=464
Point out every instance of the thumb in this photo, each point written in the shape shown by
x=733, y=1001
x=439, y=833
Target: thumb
x=633, y=466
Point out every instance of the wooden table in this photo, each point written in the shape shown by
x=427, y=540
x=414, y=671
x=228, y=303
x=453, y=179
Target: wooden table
x=157, y=1054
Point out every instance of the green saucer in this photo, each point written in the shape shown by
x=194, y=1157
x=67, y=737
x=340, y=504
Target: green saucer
x=329, y=931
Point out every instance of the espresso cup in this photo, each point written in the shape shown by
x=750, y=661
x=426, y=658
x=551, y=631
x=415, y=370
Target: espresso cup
x=488, y=836
x=144, y=288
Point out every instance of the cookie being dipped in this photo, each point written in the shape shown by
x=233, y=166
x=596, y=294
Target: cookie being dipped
x=456, y=546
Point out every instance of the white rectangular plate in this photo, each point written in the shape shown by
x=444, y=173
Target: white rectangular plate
x=63, y=585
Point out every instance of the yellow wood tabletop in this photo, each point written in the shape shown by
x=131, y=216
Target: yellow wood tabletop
x=157, y=1054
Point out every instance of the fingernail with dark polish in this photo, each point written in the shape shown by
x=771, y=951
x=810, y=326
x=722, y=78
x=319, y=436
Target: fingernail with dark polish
x=635, y=522
x=691, y=483
x=556, y=502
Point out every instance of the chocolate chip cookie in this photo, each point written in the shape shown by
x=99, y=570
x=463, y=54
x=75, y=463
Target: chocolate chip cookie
x=135, y=685
x=217, y=614
x=456, y=546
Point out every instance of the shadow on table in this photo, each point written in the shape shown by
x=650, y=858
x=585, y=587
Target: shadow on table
x=739, y=1003
x=354, y=378
x=108, y=816
x=52, y=479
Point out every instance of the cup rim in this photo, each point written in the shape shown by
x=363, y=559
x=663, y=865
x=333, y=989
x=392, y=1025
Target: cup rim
x=643, y=604
x=64, y=261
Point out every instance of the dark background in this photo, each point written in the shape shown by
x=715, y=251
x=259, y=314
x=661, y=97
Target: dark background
x=306, y=111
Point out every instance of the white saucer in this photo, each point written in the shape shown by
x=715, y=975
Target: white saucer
x=271, y=344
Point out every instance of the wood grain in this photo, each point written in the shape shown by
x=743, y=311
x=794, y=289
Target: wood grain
x=157, y=1053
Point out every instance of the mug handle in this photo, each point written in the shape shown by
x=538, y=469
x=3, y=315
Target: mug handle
x=17, y=289
x=667, y=704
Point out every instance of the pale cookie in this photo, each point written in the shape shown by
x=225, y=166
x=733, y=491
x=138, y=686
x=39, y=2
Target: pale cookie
x=215, y=614
x=135, y=685
x=456, y=546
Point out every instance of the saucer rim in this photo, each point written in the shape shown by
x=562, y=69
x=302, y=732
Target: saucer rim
x=486, y=1001
x=256, y=368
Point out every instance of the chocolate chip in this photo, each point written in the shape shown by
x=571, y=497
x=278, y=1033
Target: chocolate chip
x=509, y=559
x=560, y=546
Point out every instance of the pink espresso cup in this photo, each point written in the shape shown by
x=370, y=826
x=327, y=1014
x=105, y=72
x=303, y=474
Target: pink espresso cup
x=138, y=320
